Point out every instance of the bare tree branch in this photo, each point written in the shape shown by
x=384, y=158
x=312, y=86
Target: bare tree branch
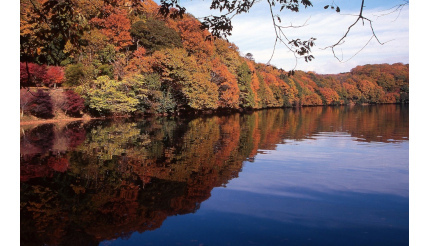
x=220, y=26
x=297, y=47
x=363, y=19
x=398, y=8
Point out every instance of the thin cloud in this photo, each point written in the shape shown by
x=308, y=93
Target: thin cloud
x=253, y=33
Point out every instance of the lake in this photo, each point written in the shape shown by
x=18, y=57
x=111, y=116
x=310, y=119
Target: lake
x=305, y=176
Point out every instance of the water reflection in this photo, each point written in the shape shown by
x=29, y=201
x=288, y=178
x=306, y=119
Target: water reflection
x=83, y=183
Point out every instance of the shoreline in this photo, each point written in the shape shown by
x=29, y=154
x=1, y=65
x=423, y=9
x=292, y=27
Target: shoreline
x=36, y=122
x=194, y=113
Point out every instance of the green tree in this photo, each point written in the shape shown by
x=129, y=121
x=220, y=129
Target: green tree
x=246, y=98
x=265, y=94
x=157, y=98
x=78, y=74
x=111, y=96
x=190, y=83
x=154, y=35
x=105, y=69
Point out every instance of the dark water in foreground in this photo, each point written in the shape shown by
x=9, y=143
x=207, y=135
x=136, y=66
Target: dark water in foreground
x=310, y=176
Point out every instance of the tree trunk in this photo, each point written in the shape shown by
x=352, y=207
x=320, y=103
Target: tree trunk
x=28, y=74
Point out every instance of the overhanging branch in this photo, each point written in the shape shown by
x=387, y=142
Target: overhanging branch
x=363, y=19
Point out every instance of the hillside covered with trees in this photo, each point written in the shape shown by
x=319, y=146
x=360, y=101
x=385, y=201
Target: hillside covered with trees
x=121, y=57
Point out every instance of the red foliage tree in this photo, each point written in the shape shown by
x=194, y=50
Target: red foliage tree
x=74, y=104
x=23, y=75
x=32, y=74
x=41, y=105
x=59, y=164
x=54, y=76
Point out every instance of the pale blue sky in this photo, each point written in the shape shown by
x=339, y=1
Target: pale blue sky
x=254, y=33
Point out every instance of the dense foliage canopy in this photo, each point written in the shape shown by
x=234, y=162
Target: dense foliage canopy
x=128, y=57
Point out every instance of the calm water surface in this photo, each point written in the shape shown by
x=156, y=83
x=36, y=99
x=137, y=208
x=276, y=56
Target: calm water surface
x=310, y=176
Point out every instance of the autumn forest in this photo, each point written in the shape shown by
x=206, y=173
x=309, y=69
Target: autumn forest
x=121, y=57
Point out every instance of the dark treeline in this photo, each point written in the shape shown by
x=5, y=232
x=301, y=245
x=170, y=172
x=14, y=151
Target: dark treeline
x=107, y=179
x=123, y=58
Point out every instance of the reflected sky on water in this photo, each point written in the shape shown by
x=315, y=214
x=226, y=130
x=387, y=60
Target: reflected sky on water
x=311, y=176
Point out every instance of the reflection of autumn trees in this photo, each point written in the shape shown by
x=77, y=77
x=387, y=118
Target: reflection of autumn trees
x=102, y=180
x=45, y=212
x=44, y=148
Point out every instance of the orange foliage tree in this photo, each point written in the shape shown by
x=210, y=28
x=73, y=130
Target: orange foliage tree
x=352, y=92
x=227, y=85
x=139, y=62
x=54, y=75
x=115, y=25
x=194, y=39
x=329, y=96
x=371, y=91
x=255, y=83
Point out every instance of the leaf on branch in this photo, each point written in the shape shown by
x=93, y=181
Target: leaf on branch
x=290, y=73
x=309, y=58
x=165, y=9
x=219, y=26
x=337, y=9
x=306, y=3
x=326, y=7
